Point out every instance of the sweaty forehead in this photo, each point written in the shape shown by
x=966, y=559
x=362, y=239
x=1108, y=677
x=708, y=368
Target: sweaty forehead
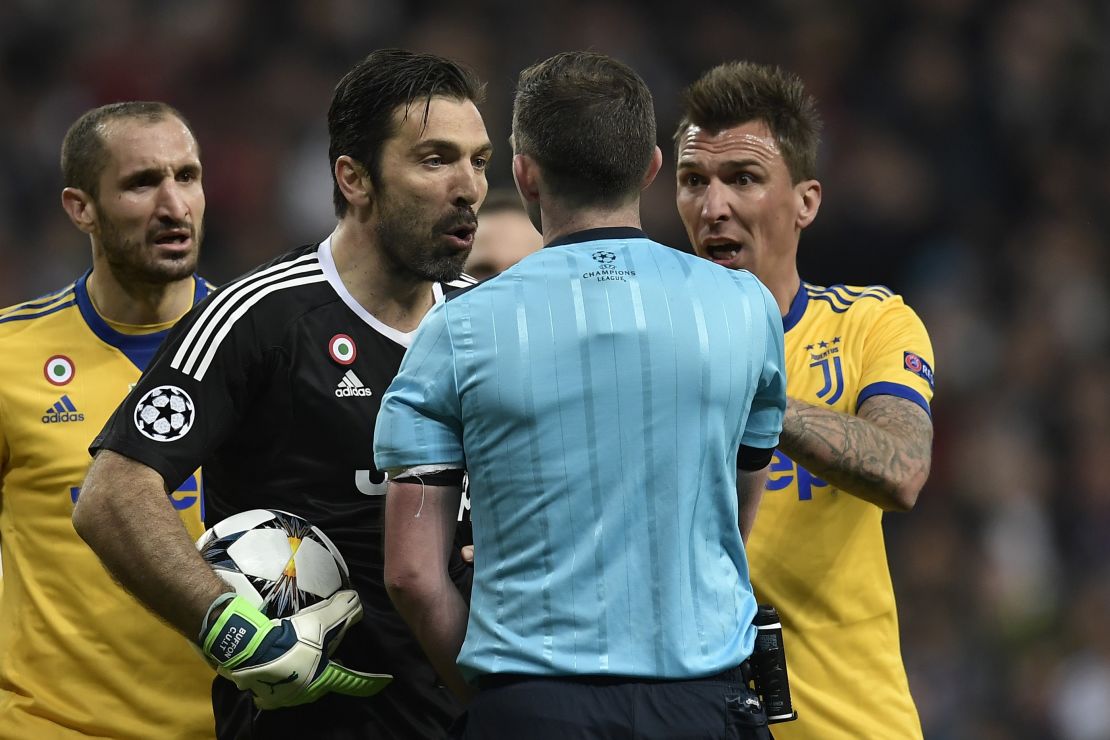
x=747, y=141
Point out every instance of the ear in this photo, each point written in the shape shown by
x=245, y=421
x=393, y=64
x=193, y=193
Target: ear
x=808, y=193
x=527, y=177
x=653, y=168
x=80, y=208
x=354, y=181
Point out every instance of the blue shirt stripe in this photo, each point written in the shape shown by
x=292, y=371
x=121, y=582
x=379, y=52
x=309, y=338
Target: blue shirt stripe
x=39, y=314
x=886, y=388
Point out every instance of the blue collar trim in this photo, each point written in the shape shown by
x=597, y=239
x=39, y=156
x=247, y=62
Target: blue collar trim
x=139, y=348
x=797, y=308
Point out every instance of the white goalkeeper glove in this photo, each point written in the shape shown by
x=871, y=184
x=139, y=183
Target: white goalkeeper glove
x=285, y=662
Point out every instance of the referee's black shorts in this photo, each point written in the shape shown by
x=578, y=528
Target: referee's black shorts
x=512, y=707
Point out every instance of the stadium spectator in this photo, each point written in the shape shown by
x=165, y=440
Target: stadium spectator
x=857, y=433
x=132, y=177
x=601, y=395
x=283, y=370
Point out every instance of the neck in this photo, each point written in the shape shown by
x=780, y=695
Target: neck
x=784, y=288
x=392, y=294
x=558, y=220
x=138, y=303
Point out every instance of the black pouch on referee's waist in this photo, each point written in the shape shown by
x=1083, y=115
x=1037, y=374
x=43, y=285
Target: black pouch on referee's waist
x=768, y=663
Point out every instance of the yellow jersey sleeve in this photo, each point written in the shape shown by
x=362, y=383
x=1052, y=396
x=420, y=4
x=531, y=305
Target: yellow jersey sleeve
x=897, y=356
x=817, y=552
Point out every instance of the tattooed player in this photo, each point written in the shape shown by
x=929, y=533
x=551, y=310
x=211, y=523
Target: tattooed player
x=857, y=434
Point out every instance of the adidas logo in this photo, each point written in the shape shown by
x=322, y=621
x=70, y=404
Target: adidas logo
x=61, y=412
x=350, y=385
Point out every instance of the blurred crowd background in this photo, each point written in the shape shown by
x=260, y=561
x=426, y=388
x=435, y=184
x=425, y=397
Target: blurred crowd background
x=965, y=164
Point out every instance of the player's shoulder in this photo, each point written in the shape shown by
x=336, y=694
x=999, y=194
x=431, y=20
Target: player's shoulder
x=302, y=260
x=284, y=287
x=855, y=299
x=28, y=316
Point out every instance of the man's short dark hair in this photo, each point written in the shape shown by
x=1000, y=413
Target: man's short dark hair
x=738, y=92
x=84, y=151
x=588, y=121
x=360, y=119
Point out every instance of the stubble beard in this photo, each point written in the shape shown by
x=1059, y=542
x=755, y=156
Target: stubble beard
x=133, y=262
x=410, y=242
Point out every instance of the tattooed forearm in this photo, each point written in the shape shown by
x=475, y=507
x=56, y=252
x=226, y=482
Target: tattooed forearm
x=881, y=456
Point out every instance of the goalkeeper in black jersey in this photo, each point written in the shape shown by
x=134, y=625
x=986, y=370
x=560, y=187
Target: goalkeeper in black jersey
x=281, y=373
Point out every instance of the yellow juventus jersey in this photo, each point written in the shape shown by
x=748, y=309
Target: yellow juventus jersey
x=79, y=657
x=817, y=553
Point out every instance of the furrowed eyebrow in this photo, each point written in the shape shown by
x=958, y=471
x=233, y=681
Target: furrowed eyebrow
x=734, y=164
x=146, y=176
x=153, y=175
x=436, y=144
x=445, y=145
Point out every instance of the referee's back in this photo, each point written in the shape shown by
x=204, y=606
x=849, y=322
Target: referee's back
x=606, y=383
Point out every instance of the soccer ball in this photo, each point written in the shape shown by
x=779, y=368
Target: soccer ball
x=164, y=413
x=275, y=559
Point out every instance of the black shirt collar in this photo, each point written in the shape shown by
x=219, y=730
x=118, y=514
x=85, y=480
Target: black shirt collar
x=606, y=232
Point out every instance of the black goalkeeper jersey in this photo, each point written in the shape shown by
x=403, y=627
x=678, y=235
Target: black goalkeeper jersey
x=274, y=383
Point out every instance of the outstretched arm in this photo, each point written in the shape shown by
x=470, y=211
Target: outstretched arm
x=126, y=517
x=882, y=455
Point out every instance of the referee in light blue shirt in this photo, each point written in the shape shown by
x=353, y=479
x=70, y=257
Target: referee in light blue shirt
x=601, y=395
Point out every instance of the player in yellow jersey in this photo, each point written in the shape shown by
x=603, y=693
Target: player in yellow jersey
x=79, y=657
x=857, y=434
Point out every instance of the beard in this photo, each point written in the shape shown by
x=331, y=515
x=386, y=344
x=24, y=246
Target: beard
x=132, y=261
x=415, y=243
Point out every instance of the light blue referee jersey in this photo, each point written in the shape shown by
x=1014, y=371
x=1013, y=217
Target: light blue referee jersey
x=597, y=392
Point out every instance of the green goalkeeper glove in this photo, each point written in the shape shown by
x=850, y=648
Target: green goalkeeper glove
x=285, y=662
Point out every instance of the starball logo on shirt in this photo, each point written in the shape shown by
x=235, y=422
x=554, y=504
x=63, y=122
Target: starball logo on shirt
x=165, y=413
x=607, y=269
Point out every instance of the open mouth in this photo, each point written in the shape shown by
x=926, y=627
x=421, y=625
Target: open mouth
x=723, y=252
x=173, y=238
x=463, y=235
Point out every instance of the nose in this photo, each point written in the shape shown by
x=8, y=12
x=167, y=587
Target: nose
x=470, y=185
x=716, y=206
x=172, y=204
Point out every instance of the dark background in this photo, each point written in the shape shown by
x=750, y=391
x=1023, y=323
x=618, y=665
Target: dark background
x=964, y=165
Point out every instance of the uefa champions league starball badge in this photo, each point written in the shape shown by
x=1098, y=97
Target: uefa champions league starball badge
x=165, y=413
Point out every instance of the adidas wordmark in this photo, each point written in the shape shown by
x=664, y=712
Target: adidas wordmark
x=350, y=385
